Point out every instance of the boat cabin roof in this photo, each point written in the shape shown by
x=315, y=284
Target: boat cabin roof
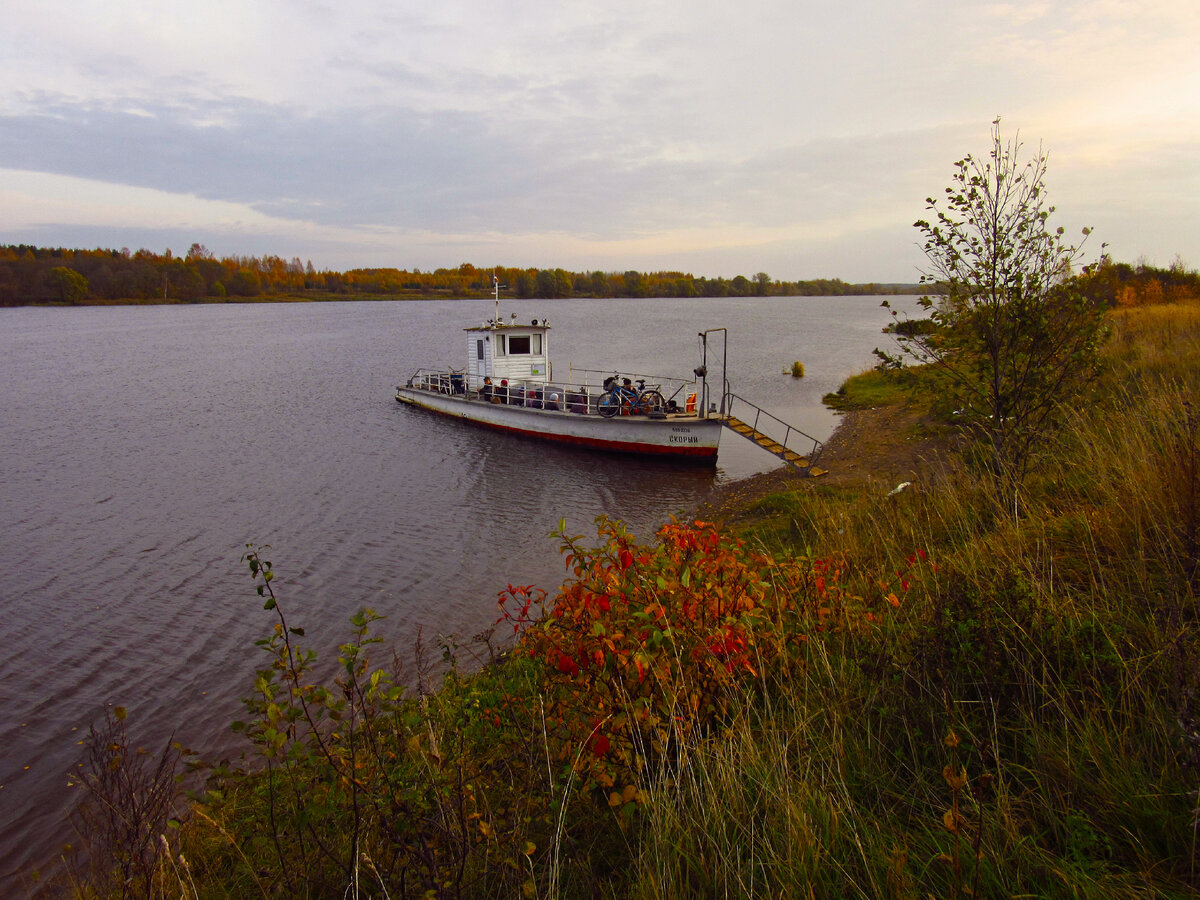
x=538, y=325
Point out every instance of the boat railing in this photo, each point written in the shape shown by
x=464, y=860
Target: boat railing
x=580, y=394
x=763, y=423
x=677, y=389
x=438, y=381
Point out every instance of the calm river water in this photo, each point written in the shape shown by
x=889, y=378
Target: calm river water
x=143, y=447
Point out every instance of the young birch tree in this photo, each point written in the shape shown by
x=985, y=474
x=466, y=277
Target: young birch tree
x=1012, y=332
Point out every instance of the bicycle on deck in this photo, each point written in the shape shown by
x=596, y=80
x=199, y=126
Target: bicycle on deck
x=618, y=399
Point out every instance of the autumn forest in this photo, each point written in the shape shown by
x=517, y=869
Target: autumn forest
x=40, y=275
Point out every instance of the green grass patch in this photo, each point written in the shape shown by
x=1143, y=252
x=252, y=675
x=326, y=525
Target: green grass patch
x=868, y=390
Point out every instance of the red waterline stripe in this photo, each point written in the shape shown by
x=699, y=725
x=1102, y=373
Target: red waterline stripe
x=697, y=453
x=596, y=443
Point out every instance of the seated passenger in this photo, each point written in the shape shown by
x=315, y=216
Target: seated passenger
x=487, y=393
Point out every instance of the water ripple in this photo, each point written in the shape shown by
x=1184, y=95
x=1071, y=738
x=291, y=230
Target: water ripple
x=143, y=448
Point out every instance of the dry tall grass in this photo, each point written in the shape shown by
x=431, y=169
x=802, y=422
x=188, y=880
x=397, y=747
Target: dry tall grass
x=1027, y=723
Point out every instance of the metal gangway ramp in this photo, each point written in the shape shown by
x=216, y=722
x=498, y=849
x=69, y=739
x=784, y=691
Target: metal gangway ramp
x=750, y=421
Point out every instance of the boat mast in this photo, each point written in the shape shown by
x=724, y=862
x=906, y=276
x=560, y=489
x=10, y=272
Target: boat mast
x=701, y=371
x=496, y=295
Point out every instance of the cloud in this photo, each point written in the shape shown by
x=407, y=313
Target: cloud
x=590, y=130
x=391, y=168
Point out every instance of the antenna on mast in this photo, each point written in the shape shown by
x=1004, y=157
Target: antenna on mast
x=496, y=295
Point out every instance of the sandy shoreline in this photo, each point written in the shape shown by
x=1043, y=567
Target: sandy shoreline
x=886, y=445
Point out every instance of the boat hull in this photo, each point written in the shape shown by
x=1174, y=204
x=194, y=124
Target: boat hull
x=680, y=436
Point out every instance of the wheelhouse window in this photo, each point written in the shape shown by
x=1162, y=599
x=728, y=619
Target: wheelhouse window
x=518, y=345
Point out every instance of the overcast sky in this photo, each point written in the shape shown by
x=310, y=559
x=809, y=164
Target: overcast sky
x=721, y=138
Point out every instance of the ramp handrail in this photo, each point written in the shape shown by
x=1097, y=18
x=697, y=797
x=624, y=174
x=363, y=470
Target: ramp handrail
x=789, y=430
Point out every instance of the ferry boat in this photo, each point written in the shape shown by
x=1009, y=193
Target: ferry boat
x=507, y=384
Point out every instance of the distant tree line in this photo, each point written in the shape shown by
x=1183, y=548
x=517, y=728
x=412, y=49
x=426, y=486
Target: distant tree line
x=1121, y=284
x=36, y=275
x=1108, y=284
x=57, y=275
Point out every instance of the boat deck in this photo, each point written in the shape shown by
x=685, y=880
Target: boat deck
x=576, y=399
x=567, y=414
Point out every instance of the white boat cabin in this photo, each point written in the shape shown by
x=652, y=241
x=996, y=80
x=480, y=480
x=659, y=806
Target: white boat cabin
x=500, y=350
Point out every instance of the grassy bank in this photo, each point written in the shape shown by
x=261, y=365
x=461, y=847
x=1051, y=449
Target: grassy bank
x=841, y=689
x=1025, y=724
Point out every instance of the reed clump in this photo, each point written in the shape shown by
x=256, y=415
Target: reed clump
x=864, y=693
